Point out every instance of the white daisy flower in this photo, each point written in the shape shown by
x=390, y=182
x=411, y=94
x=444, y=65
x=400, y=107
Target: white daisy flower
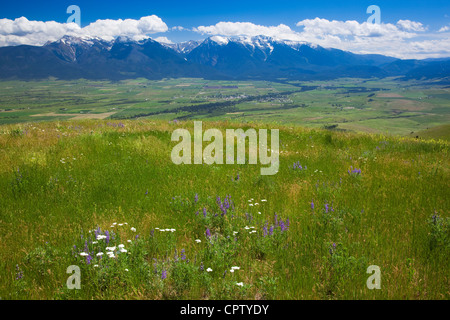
x=235, y=268
x=240, y=284
x=84, y=254
x=198, y=240
x=133, y=229
x=209, y=270
x=126, y=270
x=129, y=241
x=99, y=254
x=95, y=265
x=121, y=246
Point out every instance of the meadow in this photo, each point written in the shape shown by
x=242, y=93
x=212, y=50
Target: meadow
x=387, y=106
x=104, y=195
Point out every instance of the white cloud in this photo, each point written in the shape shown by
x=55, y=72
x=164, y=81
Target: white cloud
x=248, y=29
x=163, y=40
x=409, y=25
x=444, y=29
x=24, y=31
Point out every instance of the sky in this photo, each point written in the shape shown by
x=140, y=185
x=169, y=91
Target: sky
x=406, y=29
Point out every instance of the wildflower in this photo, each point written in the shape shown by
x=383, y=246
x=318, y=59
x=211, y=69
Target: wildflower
x=126, y=270
x=83, y=254
x=183, y=256
x=198, y=240
x=240, y=284
x=231, y=270
x=235, y=268
x=121, y=246
x=208, y=233
x=263, y=200
x=209, y=270
x=196, y=198
x=204, y=211
x=164, y=274
x=312, y=205
x=123, y=250
x=99, y=254
x=173, y=230
x=133, y=229
x=95, y=265
x=129, y=241
x=265, y=230
x=271, y=230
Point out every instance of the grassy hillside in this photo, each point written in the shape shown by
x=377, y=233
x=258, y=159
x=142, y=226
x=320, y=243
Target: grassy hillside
x=304, y=233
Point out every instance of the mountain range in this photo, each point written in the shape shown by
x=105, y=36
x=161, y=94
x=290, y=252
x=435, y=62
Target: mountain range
x=231, y=58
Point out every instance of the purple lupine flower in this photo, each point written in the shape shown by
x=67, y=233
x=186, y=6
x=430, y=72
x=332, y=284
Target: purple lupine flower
x=276, y=219
x=19, y=274
x=283, y=227
x=137, y=236
x=271, y=230
x=88, y=259
x=312, y=205
x=201, y=266
x=183, y=256
x=265, y=230
x=196, y=213
x=204, y=212
x=164, y=274
x=208, y=233
x=107, y=236
x=326, y=207
x=196, y=198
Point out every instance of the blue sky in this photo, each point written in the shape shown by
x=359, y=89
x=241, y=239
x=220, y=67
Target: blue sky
x=433, y=15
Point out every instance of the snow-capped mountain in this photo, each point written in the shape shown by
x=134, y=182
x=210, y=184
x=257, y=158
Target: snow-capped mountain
x=216, y=57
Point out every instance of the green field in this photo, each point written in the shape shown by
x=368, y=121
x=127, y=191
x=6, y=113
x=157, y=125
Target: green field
x=387, y=106
x=63, y=183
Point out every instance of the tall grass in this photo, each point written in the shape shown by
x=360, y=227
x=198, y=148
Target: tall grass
x=377, y=200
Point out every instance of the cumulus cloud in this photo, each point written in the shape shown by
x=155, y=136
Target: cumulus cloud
x=444, y=29
x=409, y=25
x=163, y=40
x=24, y=31
x=398, y=40
x=246, y=29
